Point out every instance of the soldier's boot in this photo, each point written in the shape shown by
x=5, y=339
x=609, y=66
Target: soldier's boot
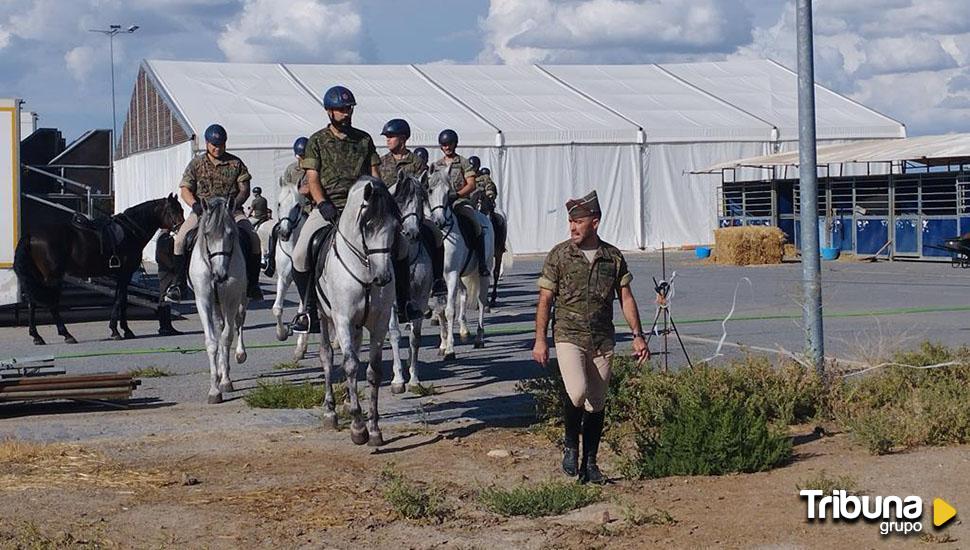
x=165, y=327
x=253, y=291
x=589, y=471
x=301, y=323
x=406, y=312
x=573, y=419
x=269, y=265
x=480, y=251
x=175, y=291
x=437, y=253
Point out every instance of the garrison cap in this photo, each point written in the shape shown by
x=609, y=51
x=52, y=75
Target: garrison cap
x=586, y=206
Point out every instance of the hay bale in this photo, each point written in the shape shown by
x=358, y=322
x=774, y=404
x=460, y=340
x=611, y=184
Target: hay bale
x=751, y=245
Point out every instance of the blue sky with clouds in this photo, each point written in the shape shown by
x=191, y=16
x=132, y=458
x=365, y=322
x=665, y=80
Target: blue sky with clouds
x=907, y=58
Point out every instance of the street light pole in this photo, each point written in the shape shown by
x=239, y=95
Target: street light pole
x=110, y=32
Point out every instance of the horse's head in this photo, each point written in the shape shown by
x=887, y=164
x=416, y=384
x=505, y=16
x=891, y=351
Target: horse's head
x=371, y=221
x=439, y=198
x=217, y=236
x=171, y=213
x=411, y=198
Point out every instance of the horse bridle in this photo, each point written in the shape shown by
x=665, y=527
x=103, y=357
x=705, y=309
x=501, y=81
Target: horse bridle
x=362, y=255
x=449, y=218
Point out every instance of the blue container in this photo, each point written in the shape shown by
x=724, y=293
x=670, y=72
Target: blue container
x=830, y=253
x=703, y=252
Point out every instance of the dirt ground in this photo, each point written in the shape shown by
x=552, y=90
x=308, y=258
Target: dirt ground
x=311, y=488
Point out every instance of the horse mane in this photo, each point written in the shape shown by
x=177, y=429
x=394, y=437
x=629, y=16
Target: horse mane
x=380, y=206
x=216, y=215
x=410, y=186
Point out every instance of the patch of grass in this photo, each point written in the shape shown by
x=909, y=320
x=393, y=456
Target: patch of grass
x=149, y=372
x=547, y=499
x=822, y=481
x=933, y=538
x=425, y=391
x=282, y=395
x=412, y=500
x=287, y=365
x=28, y=536
x=634, y=516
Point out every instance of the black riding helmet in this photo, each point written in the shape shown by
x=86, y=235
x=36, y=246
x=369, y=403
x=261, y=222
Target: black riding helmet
x=475, y=162
x=299, y=146
x=215, y=134
x=422, y=154
x=486, y=171
x=448, y=137
x=258, y=190
x=397, y=127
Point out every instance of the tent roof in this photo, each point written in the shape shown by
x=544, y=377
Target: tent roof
x=268, y=105
x=667, y=108
x=770, y=91
x=924, y=149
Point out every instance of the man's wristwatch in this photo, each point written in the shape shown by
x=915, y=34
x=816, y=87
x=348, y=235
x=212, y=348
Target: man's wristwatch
x=638, y=334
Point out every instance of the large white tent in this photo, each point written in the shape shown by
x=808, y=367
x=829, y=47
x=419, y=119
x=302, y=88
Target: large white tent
x=632, y=132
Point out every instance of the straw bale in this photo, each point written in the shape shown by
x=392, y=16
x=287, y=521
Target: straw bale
x=750, y=245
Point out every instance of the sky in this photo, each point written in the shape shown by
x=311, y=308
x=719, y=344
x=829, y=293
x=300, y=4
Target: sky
x=909, y=59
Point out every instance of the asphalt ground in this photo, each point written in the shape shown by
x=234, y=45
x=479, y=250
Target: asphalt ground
x=870, y=310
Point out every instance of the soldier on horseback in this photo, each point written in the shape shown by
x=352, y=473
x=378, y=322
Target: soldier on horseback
x=335, y=158
x=399, y=158
x=293, y=176
x=461, y=176
x=215, y=173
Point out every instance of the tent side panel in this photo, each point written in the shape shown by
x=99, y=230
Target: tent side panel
x=150, y=123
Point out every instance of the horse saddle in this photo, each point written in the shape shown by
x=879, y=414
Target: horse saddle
x=321, y=242
x=109, y=233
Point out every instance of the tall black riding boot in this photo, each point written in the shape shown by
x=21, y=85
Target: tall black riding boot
x=252, y=277
x=301, y=323
x=480, y=251
x=269, y=263
x=437, y=253
x=573, y=419
x=175, y=291
x=592, y=432
x=406, y=311
x=165, y=327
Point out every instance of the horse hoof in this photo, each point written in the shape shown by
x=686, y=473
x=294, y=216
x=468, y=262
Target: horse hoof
x=129, y=335
x=434, y=322
x=488, y=309
x=479, y=345
x=330, y=420
x=215, y=399
x=441, y=352
x=282, y=335
x=463, y=338
x=376, y=439
x=227, y=388
x=397, y=388
x=359, y=437
x=241, y=358
x=450, y=356
x=299, y=355
x=69, y=340
x=38, y=341
x=115, y=336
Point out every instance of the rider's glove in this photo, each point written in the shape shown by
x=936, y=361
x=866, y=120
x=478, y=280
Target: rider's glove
x=328, y=210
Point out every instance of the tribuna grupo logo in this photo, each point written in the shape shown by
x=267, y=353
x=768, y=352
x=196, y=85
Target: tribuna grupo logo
x=902, y=515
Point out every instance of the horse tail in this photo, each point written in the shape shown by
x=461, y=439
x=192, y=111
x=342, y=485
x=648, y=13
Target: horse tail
x=31, y=280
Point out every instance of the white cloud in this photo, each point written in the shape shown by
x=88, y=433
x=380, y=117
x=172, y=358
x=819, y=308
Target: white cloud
x=530, y=31
x=294, y=31
x=80, y=61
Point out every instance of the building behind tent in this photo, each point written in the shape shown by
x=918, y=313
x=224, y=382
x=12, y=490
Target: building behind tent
x=635, y=133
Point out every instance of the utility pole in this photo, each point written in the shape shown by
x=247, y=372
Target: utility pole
x=808, y=189
x=110, y=32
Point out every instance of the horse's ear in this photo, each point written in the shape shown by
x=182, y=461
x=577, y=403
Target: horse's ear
x=423, y=176
x=401, y=175
x=368, y=191
x=205, y=204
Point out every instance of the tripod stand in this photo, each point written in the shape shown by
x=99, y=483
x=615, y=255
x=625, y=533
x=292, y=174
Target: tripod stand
x=663, y=288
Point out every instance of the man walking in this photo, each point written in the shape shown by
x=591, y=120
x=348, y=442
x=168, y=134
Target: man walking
x=582, y=276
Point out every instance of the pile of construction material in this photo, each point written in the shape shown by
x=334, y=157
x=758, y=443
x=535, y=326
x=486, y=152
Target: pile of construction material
x=750, y=245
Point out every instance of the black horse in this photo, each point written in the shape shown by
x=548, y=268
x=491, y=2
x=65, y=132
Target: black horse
x=487, y=206
x=102, y=248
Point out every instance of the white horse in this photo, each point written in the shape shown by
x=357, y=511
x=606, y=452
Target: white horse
x=218, y=277
x=355, y=290
x=461, y=265
x=411, y=197
x=288, y=234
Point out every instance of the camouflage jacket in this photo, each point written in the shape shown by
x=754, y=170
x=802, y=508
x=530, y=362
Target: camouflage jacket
x=458, y=170
x=584, y=293
x=484, y=183
x=340, y=161
x=222, y=177
x=411, y=164
x=293, y=175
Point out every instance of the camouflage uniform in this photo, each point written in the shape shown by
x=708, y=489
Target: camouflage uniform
x=485, y=184
x=410, y=163
x=584, y=293
x=208, y=178
x=296, y=177
x=458, y=170
x=340, y=162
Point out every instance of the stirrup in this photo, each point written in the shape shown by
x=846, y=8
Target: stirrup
x=297, y=327
x=173, y=294
x=114, y=262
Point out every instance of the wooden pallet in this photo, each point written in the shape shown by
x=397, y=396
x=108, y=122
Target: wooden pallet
x=102, y=387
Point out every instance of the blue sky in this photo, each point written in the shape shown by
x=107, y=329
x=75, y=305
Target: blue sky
x=907, y=58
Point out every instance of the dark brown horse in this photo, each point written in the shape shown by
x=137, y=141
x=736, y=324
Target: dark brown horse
x=47, y=254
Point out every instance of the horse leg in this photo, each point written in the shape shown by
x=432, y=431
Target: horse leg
x=56, y=314
x=123, y=288
x=394, y=334
x=450, y=309
x=283, y=279
x=228, y=330
x=482, y=300
x=350, y=345
x=326, y=361
x=374, y=375
x=115, y=312
x=31, y=322
x=496, y=272
x=302, y=340
x=462, y=314
x=414, y=342
x=241, y=354
x=211, y=347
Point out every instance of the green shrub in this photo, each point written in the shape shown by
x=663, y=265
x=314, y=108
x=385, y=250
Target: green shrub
x=547, y=499
x=281, y=395
x=411, y=500
x=822, y=481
